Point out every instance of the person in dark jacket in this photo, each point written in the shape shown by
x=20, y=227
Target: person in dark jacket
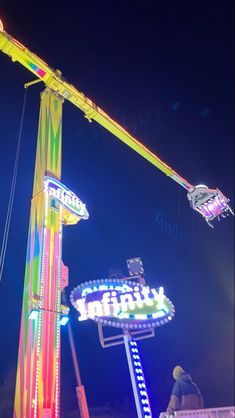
x=185, y=393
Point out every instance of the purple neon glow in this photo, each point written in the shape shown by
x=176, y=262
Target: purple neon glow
x=213, y=207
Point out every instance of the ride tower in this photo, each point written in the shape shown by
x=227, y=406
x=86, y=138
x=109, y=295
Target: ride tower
x=37, y=393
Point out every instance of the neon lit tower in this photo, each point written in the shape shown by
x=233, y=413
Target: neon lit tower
x=37, y=391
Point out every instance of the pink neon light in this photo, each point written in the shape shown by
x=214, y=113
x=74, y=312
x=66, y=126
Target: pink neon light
x=214, y=207
x=41, y=72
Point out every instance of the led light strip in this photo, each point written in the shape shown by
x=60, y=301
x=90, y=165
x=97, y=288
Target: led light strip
x=137, y=379
x=57, y=384
x=40, y=303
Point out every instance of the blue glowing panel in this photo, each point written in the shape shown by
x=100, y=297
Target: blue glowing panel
x=64, y=320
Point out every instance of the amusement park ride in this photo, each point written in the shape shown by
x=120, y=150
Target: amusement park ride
x=37, y=393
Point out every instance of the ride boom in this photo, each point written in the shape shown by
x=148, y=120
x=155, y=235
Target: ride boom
x=210, y=203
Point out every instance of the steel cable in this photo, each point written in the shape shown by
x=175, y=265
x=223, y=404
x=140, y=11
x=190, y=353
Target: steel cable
x=12, y=192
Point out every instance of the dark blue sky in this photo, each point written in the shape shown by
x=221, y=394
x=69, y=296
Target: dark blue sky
x=165, y=71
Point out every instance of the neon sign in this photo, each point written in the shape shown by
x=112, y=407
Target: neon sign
x=120, y=303
x=66, y=197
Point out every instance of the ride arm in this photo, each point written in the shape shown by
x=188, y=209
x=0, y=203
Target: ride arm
x=53, y=79
x=210, y=203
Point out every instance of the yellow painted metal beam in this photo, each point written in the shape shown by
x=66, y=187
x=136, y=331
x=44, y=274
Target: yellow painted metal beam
x=53, y=79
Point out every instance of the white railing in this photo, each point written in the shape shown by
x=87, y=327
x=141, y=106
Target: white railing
x=226, y=412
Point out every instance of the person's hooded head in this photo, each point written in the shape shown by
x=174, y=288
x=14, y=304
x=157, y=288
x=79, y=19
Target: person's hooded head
x=177, y=372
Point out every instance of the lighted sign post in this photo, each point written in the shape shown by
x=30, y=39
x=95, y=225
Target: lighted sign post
x=132, y=307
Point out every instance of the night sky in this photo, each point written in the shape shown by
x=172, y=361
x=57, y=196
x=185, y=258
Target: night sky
x=164, y=70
